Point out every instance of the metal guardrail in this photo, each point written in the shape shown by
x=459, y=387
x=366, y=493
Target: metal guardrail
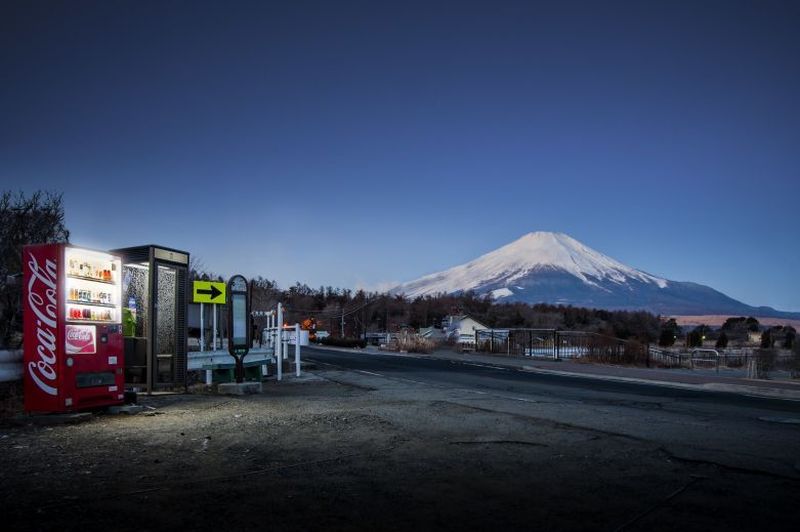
x=10, y=365
x=665, y=358
x=758, y=363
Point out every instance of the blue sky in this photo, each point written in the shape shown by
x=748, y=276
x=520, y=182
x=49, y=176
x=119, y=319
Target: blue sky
x=363, y=143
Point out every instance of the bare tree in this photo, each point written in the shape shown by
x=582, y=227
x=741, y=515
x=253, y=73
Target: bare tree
x=36, y=219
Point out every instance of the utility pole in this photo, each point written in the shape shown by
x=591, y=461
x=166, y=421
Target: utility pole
x=342, y=322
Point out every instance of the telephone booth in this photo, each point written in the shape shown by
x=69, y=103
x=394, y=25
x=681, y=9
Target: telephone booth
x=154, y=309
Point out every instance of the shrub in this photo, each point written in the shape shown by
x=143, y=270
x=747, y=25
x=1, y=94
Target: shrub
x=669, y=333
x=412, y=343
x=790, y=339
x=766, y=339
x=667, y=338
x=695, y=339
x=722, y=341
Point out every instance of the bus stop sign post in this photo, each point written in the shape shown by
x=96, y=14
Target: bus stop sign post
x=239, y=322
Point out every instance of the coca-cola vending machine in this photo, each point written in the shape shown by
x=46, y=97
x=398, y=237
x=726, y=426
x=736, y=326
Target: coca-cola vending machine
x=73, y=347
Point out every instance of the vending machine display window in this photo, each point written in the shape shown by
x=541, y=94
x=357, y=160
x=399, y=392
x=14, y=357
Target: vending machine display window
x=92, y=286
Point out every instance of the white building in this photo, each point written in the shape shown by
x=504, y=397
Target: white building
x=461, y=330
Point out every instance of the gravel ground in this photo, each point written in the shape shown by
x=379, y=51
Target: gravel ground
x=322, y=455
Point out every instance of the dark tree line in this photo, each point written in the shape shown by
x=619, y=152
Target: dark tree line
x=736, y=329
x=348, y=313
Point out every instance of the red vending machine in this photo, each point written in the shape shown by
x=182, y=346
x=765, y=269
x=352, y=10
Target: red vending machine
x=73, y=347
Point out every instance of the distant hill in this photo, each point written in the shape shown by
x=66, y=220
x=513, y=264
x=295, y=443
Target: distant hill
x=544, y=267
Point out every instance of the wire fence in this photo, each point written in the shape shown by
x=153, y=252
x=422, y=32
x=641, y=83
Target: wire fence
x=554, y=344
x=595, y=347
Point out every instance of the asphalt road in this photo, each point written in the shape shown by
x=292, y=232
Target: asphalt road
x=730, y=430
x=494, y=377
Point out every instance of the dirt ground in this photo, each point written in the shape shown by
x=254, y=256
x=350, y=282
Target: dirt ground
x=321, y=455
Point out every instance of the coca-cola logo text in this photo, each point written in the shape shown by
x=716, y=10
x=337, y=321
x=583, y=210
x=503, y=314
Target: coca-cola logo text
x=80, y=340
x=79, y=335
x=42, y=294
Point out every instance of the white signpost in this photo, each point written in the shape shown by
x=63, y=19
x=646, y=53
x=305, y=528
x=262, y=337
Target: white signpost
x=278, y=345
x=279, y=337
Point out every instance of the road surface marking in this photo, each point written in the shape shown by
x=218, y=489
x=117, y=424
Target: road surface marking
x=369, y=372
x=484, y=366
x=417, y=382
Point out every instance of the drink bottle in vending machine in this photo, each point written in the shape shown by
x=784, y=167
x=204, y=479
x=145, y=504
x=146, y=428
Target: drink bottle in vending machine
x=73, y=347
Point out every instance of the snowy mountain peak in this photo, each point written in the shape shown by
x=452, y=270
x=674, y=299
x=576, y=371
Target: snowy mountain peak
x=543, y=249
x=555, y=268
x=539, y=251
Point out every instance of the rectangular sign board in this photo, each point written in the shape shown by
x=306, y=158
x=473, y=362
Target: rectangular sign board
x=208, y=292
x=81, y=339
x=292, y=337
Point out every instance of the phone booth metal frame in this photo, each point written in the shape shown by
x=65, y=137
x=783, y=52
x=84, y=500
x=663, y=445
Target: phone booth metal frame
x=155, y=308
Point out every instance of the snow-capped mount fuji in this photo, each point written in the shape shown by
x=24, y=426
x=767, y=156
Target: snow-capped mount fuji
x=544, y=267
x=505, y=270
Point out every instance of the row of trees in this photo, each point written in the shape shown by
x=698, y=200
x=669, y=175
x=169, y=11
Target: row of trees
x=734, y=329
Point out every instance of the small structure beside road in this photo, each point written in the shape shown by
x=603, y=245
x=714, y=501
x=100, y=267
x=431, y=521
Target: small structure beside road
x=460, y=329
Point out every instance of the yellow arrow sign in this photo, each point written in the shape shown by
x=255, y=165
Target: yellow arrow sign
x=208, y=292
